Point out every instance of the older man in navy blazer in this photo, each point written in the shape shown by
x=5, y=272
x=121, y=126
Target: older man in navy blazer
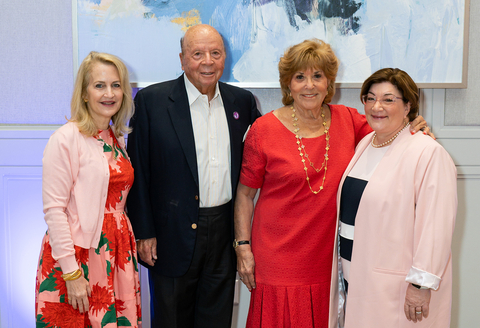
x=186, y=149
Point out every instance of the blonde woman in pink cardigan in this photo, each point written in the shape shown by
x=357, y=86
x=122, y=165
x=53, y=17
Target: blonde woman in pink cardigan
x=87, y=274
x=397, y=204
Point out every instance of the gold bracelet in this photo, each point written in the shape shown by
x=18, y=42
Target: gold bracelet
x=72, y=275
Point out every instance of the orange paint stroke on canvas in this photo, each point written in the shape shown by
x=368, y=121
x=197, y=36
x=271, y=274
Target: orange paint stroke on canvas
x=188, y=19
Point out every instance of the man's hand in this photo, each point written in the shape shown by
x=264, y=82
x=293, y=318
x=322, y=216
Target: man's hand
x=147, y=250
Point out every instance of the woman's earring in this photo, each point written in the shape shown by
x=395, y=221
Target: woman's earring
x=86, y=100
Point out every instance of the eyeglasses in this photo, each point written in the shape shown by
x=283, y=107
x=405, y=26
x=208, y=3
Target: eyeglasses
x=387, y=100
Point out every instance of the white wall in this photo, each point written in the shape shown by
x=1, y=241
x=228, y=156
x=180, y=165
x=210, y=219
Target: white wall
x=36, y=71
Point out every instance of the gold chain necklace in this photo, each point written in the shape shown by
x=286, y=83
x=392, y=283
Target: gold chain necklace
x=390, y=140
x=303, y=153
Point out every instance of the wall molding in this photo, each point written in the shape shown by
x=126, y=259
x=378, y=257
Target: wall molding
x=462, y=142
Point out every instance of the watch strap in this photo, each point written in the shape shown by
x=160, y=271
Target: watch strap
x=240, y=242
x=419, y=287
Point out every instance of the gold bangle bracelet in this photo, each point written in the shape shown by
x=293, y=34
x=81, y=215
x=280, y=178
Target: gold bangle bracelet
x=72, y=275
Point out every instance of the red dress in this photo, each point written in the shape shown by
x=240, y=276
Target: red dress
x=293, y=229
x=111, y=269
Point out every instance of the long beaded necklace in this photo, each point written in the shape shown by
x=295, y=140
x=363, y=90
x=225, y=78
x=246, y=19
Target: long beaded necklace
x=303, y=152
x=390, y=140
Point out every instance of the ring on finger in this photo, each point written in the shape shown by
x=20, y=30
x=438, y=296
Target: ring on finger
x=418, y=312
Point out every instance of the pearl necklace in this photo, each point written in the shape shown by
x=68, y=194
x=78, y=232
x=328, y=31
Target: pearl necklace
x=302, y=151
x=390, y=140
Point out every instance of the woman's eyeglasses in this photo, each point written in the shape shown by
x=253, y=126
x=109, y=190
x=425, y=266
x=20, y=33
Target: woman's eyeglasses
x=386, y=100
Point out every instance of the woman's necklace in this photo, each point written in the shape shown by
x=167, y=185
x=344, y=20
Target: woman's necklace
x=303, y=152
x=390, y=140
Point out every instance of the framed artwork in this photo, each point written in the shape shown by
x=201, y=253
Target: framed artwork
x=426, y=38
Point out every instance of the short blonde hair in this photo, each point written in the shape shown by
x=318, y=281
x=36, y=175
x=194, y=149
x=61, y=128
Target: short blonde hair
x=79, y=109
x=313, y=53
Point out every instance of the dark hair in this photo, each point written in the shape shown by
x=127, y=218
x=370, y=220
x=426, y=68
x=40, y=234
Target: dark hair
x=313, y=53
x=181, y=43
x=402, y=81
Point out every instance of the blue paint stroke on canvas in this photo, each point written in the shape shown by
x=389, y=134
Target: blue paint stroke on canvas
x=423, y=37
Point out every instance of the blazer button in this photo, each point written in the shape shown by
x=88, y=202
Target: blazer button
x=196, y=197
x=194, y=226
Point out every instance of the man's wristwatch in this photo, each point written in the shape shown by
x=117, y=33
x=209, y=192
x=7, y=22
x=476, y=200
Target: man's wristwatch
x=240, y=242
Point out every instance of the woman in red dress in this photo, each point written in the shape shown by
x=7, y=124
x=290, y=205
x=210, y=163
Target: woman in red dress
x=296, y=155
x=87, y=274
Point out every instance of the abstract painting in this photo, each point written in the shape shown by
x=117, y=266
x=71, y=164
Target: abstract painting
x=426, y=38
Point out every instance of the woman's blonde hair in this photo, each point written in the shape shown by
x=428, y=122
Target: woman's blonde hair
x=79, y=111
x=313, y=53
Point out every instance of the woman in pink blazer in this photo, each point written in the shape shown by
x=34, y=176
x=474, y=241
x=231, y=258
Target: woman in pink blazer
x=397, y=204
x=87, y=273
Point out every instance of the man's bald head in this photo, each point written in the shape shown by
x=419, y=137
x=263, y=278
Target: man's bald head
x=195, y=30
x=203, y=58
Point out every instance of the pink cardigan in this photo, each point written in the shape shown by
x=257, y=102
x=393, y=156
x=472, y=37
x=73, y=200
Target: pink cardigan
x=403, y=233
x=75, y=185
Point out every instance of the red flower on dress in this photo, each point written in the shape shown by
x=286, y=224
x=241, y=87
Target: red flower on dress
x=111, y=277
x=81, y=254
x=100, y=300
x=47, y=260
x=139, y=311
x=126, y=168
x=60, y=283
x=63, y=315
x=115, y=188
x=119, y=306
x=109, y=229
x=122, y=255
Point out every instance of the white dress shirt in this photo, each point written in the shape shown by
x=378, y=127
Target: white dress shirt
x=212, y=146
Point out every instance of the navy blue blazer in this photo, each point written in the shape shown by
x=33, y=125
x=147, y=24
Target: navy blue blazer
x=163, y=201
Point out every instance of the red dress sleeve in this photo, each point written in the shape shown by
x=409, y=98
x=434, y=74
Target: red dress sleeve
x=254, y=159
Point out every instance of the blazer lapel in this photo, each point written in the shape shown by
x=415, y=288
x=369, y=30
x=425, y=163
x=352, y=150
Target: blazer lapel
x=235, y=131
x=179, y=111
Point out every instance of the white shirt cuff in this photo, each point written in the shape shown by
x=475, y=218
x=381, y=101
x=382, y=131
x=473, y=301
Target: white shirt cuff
x=423, y=278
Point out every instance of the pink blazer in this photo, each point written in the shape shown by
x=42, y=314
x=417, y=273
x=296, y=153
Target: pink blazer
x=74, y=188
x=403, y=233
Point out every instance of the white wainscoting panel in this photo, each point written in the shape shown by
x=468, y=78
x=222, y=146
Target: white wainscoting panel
x=465, y=252
x=22, y=226
x=463, y=144
x=21, y=232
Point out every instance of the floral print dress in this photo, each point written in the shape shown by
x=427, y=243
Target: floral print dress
x=111, y=268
